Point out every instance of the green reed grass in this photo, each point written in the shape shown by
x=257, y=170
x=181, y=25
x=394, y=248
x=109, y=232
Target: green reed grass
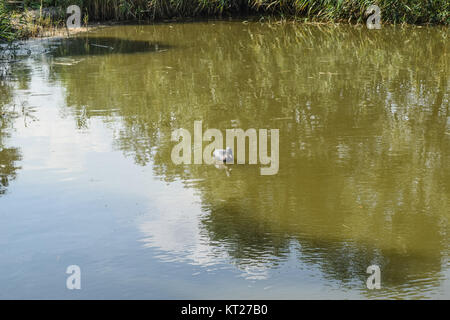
x=7, y=32
x=393, y=11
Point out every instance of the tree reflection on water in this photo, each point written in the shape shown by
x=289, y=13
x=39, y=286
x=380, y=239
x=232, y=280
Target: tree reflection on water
x=364, y=138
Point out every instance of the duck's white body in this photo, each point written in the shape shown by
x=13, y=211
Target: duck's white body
x=223, y=155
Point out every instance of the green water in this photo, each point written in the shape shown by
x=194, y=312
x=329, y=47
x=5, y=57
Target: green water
x=364, y=153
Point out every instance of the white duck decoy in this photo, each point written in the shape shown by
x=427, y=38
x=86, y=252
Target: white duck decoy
x=223, y=155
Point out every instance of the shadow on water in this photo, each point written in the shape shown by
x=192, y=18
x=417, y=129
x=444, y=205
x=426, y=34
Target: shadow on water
x=94, y=46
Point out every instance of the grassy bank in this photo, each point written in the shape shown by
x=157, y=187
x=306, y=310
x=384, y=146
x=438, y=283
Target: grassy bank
x=393, y=11
x=7, y=32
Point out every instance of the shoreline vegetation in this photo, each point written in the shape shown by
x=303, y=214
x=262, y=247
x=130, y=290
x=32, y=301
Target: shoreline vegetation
x=31, y=18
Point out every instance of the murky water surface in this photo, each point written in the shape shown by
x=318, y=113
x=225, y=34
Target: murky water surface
x=364, y=163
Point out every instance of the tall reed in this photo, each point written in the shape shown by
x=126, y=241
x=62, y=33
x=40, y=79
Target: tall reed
x=412, y=11
x=7, y=32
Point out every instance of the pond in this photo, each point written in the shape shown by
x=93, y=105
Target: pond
x=88, y=179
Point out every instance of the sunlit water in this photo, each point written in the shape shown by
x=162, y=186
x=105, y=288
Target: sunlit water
x=364, y=174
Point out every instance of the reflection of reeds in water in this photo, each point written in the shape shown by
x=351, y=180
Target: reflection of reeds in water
x=363, y=150
x=363, y=65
